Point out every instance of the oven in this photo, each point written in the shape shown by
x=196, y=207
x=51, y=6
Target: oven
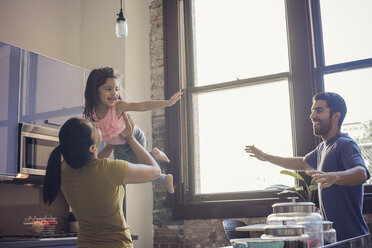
x=35, y=145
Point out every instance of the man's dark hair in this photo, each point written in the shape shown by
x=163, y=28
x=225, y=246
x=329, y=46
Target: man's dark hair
x=335, y=102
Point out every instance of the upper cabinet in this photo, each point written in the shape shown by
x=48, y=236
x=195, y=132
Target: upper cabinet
x=9, y=89
x=51, y=91
x=38, y=90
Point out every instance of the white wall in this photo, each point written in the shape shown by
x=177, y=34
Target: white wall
x=51, y=28
x=138, y=88
x=82, y=32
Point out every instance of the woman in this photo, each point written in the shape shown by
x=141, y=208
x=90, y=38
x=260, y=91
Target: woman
x=93, y=186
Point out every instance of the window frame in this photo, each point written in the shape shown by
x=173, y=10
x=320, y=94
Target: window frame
x=304, y=81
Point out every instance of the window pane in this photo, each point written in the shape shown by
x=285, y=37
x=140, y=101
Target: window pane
x=347, y=28
x=227, y=120
x=356, y=87
x=239, y=39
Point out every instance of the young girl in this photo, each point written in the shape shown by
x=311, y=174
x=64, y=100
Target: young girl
x=104, y=105
x=90, y=184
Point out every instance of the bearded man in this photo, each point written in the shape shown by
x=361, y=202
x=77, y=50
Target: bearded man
x=336, y=164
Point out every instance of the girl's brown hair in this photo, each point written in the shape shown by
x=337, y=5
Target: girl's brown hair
x=96, y=78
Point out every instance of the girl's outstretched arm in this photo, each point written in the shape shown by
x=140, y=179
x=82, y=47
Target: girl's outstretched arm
x=123, y=106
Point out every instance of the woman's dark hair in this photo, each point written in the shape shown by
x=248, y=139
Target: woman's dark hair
x=75, y=138
x=335, y=102
x=96, y=78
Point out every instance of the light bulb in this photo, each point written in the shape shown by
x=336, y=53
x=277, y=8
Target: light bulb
x=121, y=25
x=121, y=28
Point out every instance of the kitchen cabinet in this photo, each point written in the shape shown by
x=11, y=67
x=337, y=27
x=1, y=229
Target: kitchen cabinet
x=9, y=89
x=34, y=89
x=51, y=91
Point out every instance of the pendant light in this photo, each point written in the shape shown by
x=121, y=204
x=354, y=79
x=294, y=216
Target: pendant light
x=121, y=23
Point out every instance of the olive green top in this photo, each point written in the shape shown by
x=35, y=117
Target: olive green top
x=95, y=193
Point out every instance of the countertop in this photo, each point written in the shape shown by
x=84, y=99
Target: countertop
x=363, y=241
x=42, y=242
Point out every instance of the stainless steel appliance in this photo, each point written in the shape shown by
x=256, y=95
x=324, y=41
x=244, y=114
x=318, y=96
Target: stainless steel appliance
x=299, y=213
x=292, y=236
x=35, y=145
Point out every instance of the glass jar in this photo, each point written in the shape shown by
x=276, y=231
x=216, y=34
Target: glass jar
x=293, y=236
x=299, y=213
x=329, y=233
x=73, y=225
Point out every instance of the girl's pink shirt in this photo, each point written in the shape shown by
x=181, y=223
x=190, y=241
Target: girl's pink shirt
x=111, y=127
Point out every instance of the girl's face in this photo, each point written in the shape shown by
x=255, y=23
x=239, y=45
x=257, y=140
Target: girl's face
x=108, y=93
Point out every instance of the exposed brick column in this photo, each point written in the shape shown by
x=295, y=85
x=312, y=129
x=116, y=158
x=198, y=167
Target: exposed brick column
x=162, y=214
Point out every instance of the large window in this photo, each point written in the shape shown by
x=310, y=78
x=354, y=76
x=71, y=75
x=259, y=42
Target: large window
x=225, y=121
x=238, y=40
x=249, y=70
x=346, y=29
x=247, y=41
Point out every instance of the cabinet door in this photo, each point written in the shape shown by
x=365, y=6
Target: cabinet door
x=51, y=90
x=9, y=91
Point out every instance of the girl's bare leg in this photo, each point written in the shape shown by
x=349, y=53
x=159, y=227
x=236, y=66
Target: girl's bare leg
x=170, y=187
x=159, y=155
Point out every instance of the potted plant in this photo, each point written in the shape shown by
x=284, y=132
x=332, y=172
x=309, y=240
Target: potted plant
x=307, y=193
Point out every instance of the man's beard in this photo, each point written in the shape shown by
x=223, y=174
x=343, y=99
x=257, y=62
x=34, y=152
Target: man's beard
x=323, y=127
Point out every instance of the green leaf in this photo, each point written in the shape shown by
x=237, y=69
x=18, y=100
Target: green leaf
x=291, y=191
x=293, y=174
x=290, y=188
x=299, y=188
x=313, y=181
x=313, y=187
x=287, y=191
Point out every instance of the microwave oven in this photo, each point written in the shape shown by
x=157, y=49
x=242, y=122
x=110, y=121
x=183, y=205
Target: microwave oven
x=36, y=142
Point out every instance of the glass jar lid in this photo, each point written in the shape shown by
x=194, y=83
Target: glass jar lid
x=284, y=230
x=327, y=225
x=293, y=207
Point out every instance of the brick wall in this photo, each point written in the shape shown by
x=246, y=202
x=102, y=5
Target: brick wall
x=167, y=232
x=195, y=233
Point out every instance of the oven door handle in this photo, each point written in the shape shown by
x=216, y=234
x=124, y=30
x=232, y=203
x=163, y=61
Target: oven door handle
x=52, y=123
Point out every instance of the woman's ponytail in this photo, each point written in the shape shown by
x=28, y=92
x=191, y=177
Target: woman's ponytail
x=75, y=137
x=52, y=181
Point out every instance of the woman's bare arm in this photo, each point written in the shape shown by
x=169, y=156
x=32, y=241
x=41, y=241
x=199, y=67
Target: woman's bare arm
x=147, y=168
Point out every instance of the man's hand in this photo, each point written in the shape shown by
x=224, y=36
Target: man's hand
x=256, y=153
x=351, y=177
x=324, y=179
x=176, y=96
